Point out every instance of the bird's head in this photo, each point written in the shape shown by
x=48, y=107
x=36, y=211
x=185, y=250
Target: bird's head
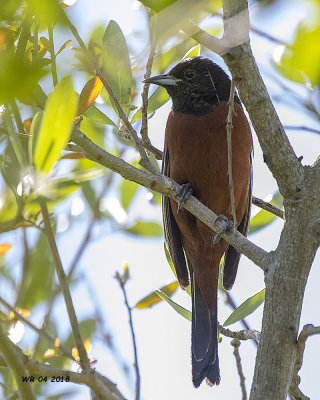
x=195, y=85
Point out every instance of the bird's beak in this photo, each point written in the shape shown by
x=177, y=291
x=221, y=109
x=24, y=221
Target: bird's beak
x=162, y=80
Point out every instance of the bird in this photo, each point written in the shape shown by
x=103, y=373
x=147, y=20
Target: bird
x=196, y=157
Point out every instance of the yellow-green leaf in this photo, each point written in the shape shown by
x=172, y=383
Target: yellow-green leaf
x=89, y=93
x=153, y=298
x=193, y=52
x=179, y=309
x=246, y=308
x=66, y=44
x=116, y=63
x=146, y=228
x=56, y=125
x=98, y=116
x=127, y=191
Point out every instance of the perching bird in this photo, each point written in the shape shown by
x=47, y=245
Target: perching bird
x=196, y=157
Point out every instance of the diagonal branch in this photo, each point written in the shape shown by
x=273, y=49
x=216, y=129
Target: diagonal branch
x=307, y=331
x=167, y=187
x=244, y=334
x=268, y=207
x=236, y=344
x=84, y=361
x=12, y=359
x=102, y=386
x=40, y=331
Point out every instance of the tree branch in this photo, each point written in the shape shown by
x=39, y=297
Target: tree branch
x=84, y=361
x=41, y=332
x=144, y=95
x=236, y=344
x=268, y=207
x=244, y=334
x=12, y=359
x=122, y=282
x=102, y=386
x=167, y=187
x=308, y=330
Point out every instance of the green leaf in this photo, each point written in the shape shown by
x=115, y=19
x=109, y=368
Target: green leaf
x=87, y=328
x=12, y=70
x=38, y=280
x=98, y=116
x=66, y=44
x=179, y=309
x=193, y=52
x=34, y=132
x=89, y=93
x=15, y=141
x=144, y=228
x=157, y=5
x=153, y=298
x=264, y=218
x=246, y=308
x=56, y=125
x=158, y=98
x=116, y=63
x=300, y=62
x=90, y=196
x=127, y=191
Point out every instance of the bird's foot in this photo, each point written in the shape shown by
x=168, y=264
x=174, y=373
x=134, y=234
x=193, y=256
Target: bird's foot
x=227, y=226
x=185, y=191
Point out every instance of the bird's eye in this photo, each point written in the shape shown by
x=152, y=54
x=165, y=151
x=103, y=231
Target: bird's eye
x=189, y=74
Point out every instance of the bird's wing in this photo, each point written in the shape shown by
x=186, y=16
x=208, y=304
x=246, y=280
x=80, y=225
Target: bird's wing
x=172, y=233
x=232, y=257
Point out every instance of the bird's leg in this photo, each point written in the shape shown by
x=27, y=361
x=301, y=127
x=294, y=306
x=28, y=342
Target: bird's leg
x=185, y=191
x=228, y=225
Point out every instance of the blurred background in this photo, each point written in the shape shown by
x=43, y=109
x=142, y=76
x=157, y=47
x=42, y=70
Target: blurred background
x=104, y=223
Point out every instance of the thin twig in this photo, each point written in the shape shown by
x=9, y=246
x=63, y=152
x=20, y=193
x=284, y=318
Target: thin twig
x=41, y=332
x=241, y=335
x=236, y=344
x=301, y=128
x=229, y=300
x=84, y=361
x=52, y=56
x=307, y=330
x=144, y=160
x=17, y=116
x=267, y=36
x=144, y=95
x=26, y=264
x=268, y=207
x=229, y=140
x=122, y=283
x=24, y=35
x=91, y=225
x=105, y=389
x=35, y=47
x=76, y=258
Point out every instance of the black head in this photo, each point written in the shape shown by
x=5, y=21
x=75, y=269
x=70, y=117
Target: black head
x=196, y=85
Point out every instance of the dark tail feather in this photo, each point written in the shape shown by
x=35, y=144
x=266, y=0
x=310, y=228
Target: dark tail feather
x=204, y=339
